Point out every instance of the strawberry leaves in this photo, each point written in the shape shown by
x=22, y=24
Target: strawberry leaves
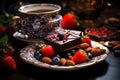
x=5, y=47
x=6, y=52
x=3, y=41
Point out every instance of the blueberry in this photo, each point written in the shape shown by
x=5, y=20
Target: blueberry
x=73, y=51
x=89, y=55
x=116, y=52
x=68, y=54
x=56, y=61
x=60, y=36
x=57, y=55
x=37, y=55
x=37, y=51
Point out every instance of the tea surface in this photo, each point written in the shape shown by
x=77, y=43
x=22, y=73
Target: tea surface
x=40, y=11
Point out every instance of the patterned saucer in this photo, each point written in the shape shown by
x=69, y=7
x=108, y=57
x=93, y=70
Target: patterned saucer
x=26, y=54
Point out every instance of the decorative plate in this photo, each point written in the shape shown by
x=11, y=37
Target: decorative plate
x=26, y=54
x=21, y=37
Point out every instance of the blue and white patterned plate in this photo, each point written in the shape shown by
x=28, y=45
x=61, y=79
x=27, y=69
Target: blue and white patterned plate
x=27, y=53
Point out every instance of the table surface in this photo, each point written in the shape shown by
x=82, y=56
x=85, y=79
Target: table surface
x=109, y=69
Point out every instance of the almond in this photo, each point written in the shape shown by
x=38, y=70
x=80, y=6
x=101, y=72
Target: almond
x=63, y=61
x=70, y=62
x=113, y=43
x=96, y=47
x=46, y=60
x=117, y=46
x=95, y=52
x=84, y=45
x=102, y=51
x=89, y=49
x=102, y=42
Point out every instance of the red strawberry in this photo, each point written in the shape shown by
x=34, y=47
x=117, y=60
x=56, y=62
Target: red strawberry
x=10, y=51
x=8, y=62
x=69, y=21
x=2, y=30
x=86, y=39
x=48, y=50
x=79, y=56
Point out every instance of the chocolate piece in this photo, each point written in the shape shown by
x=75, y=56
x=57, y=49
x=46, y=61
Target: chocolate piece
x=70, y=40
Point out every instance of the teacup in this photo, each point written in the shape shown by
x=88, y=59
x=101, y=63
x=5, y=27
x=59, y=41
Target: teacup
x=37, y=20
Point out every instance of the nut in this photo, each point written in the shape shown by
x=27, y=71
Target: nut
x=84, y=45
x=63, y=61
x=95, y=52
x=89, y=49
x=117, y=46
x=70, y=62
x=46, y=60
x=102, y=42
x=96, y=47
x=102, y=51
x=113, y=43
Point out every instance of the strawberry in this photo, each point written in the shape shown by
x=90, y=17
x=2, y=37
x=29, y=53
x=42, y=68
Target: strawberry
x=10, y=51
x=48, y=50
x=2, y=30
x=79, y=56
x=8, y=62
x=86, y=39
x=69, y=21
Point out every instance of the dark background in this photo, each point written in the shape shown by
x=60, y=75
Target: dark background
x=10, y=5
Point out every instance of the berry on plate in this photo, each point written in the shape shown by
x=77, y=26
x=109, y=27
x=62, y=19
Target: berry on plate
x=48, y=50
x=80, y=56
x=86, y=39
